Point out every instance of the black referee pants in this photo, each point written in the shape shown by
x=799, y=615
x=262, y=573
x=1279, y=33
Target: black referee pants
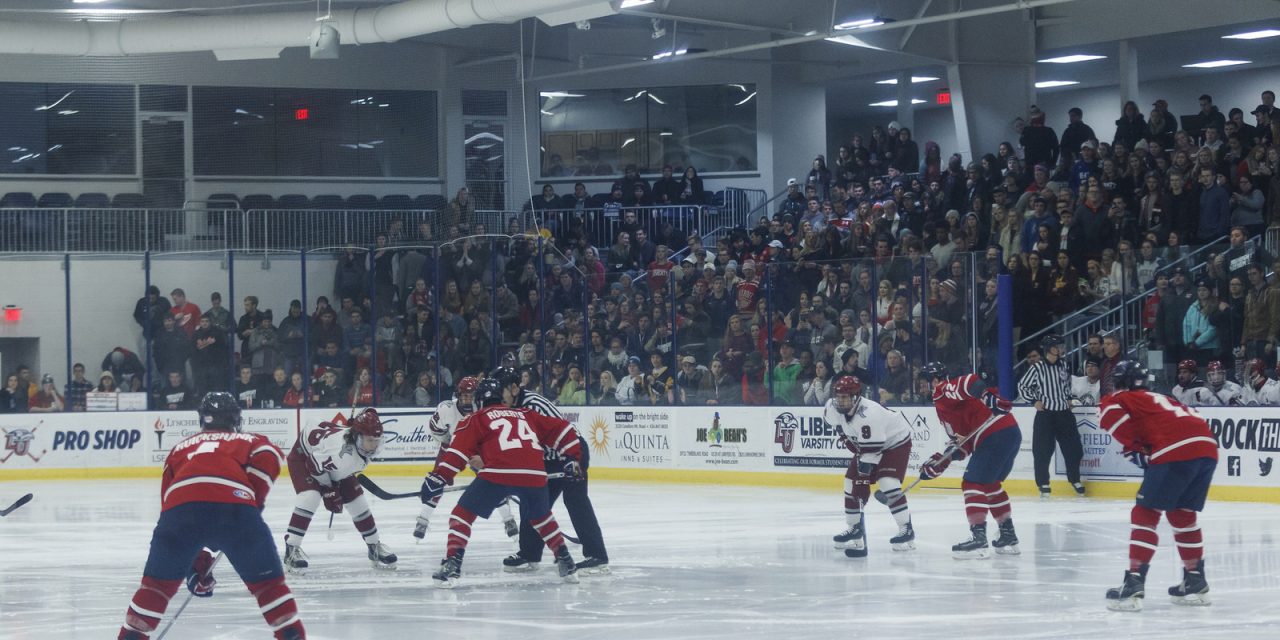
x=581, y=513
x=1059, y=427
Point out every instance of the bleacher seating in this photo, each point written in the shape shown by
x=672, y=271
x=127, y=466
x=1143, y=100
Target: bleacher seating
x=92, y=200
x=129, y=201
x=18, y=200
x=55, y=200
x=362, y=201
x=293, y=201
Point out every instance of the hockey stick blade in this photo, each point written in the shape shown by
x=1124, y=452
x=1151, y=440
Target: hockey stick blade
x=383, y=494
x=13, y=507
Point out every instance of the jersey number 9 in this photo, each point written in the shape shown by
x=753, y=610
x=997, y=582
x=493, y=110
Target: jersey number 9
x=514, y=436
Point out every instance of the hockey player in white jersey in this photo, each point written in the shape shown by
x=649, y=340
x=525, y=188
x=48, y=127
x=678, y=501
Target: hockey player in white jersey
x=1086, y=389
x=1261, y=391
x=443, y=423
x=322, y=466
x=1190, y=387
x=1219, y=392
x=880, y=440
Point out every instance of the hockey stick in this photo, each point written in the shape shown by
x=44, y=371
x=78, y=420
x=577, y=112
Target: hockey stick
x=190, y=594
x=946, y=453
x=330, y=533
x=21, y=501
x=383, y=494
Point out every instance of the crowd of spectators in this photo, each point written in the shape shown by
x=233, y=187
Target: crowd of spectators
x=873, y=264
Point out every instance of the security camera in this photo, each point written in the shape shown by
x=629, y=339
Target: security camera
x=324, y=42
x=583, y=25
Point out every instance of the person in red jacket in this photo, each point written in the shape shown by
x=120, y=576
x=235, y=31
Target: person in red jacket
x=214, y=487
x=1178, y=453
x=509, y=443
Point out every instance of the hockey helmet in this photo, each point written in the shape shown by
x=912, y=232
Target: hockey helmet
x=1216, y=374
x=366, y=431
x=848, y=393
x=505, y=376
x=219, y=411
x=1051, y=340
x=465, y=397
x=934, y=370
x=1129, y=374
x=489, y=392
x=1187, y=371
x=1257, y=373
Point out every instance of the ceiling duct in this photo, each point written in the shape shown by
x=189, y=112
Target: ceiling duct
x=274, y=31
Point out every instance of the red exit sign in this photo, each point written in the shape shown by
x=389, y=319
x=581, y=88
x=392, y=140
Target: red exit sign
x=944, y=96
x=301, y=114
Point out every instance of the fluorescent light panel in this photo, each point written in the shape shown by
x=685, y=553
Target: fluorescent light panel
x=1254, y=35
x=859, y=24
x=1214, y=64
x=1049, y=84
x=560, y=94
x=627, y=4
x=894, y=103
x=1079, y=57
x=914, y=80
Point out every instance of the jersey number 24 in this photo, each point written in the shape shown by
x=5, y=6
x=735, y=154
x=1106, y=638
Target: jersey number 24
x=514, y=436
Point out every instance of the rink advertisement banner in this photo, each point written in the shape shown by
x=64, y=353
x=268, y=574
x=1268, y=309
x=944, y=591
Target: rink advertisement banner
x=727, y=439
x=164, y=429
x=1248, y=445
x=626, y=437
x=76, y=440
x=1103, y=455
x=802, y=440
x=405, y=437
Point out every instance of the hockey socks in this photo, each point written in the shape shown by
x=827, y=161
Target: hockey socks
x=1143, y=538
x=975, y=502
x=1187, y=537
x=362, y=517
x=147, y=607
x=304, y=509
x=896, y=500
x=856, y=493
x=550, y=532
x=278, y=608
x=460, y=522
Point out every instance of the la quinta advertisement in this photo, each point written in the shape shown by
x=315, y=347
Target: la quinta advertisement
x=630, y=438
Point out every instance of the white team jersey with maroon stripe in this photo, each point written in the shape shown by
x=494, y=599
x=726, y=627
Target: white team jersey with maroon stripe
x=1229, y=395
x=445, y=421
x=872, y=428
x=1267, y=396
x=330, y=458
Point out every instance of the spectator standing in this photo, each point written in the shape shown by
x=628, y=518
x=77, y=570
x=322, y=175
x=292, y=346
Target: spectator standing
x=77, y=389
x=186, y=313
x=218, y=315
x=1039, y=142
x=1076, y=134
x=1047, y=384
x=248, y=322
x=172, y=346
x=209, y=357
x=1131, y=127
x=264, y=347
x=1215, y=207
x=156, y=307
x=1247, y=206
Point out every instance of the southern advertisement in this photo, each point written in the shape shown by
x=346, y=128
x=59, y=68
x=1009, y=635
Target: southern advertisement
x=405, y=437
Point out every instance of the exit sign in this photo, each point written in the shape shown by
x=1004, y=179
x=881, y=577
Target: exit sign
x=944, y=96
x=301, y=114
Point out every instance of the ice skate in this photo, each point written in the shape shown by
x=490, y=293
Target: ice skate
x=1079, y=489
x=906, y=538
x=1044, y=492
x=295, y=559
x=568, y=570
x=593, y=567
x=381, y=557
x=1128, y=596
x=975, y=548
x=517, y=563
x=1193, y=591
x=513, y=528
x=450, y=571
x=1007, y=543
x=420, y=528
x=850, y=537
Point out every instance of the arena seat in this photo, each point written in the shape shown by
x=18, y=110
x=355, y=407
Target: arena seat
x=92, y=200
x=397, y=202
x=258, y=201
x=293, y=201
x=430, y=202
x=222, y=201
x=362, y=201
x=55, y=200
x=328, y=201
x=18, y=200
x=129, y=201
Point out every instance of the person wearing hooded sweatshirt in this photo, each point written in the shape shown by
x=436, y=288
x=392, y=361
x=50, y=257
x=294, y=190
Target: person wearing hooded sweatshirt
x=1131, y=128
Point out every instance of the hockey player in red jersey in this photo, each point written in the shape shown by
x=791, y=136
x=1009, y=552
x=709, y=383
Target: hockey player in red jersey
x=978, y=421
x=322, y=466
x=214, y=486
x=509, y=442
x=1178, y=453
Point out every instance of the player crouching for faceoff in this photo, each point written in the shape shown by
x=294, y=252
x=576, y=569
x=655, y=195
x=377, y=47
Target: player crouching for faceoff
x=509, y=443
x=322, y=465
x=1177, y=452
x=214, y=486
x=980, y=426
x=880, y=440
x=444, y=422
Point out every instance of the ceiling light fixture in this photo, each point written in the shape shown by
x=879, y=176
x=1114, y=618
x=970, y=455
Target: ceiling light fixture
x=668, y=54
x=88, y=1
x=745, y=100
x=1049, y=84
x=894, y=103
x=859, y=24
x=559, y=94
x=914, y=80
x=1079, y=57
x=1253, y=35
x=1214, y=64
x=631, y=4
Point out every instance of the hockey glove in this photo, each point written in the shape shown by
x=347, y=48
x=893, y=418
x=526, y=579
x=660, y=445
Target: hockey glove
x=573, y=471
x=997, y=405
x=1138, y=458
x=200, y=582
x=848, y=443
x=332, y=500
x=432, y=487
x=865, y=469
x=935, y=466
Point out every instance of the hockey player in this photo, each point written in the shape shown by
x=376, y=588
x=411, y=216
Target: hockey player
x=443, y=423
x=880, y=440
x=1219, y=392
x=576, y=500
x=979, y=423
x=1177, y=451
x=214, y=486
x=1261, y=391
x=323, y=465
x=509, y=442
x=1190, y=386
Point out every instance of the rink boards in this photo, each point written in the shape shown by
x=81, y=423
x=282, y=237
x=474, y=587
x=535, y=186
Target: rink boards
x=745, y=445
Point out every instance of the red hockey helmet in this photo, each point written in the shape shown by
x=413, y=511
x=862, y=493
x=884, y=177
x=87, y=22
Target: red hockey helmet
x=848, y=392
x=1216, y=373
x=1187, y=372
x=366, y=431
x=1257, y=373
x=465, y=397
x=1189, y=365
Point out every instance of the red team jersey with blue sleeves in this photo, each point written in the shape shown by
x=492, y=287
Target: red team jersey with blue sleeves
x=962, y=413
x=220, y=466
x=1157, y=426
x=510, y=442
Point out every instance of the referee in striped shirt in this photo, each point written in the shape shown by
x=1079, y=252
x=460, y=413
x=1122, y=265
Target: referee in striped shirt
x=1048, y=384
x=576, y=500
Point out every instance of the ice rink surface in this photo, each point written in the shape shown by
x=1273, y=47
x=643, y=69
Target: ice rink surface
x=689, y=561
